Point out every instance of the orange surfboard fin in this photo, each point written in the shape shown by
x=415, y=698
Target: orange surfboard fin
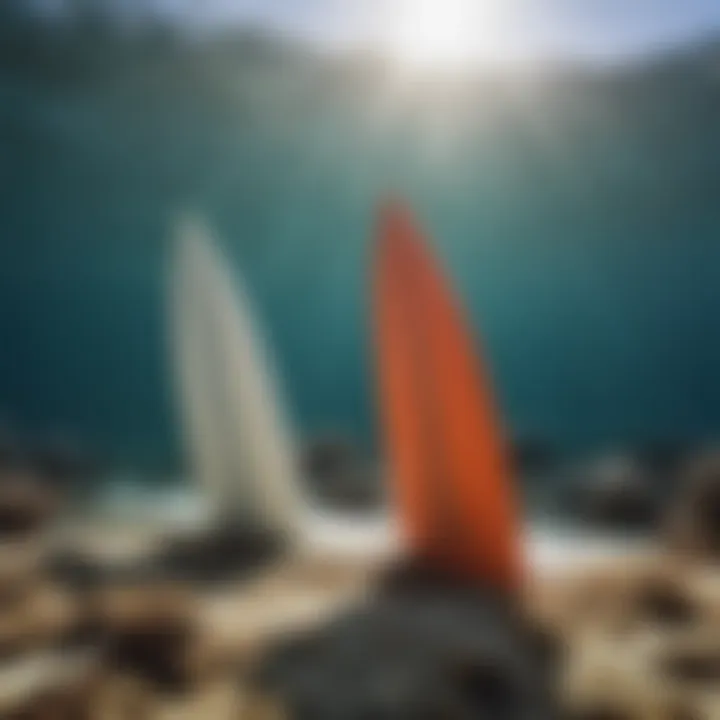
x=451, y=477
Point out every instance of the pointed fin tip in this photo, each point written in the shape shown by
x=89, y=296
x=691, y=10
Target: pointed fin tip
x=394, y=218
x=191, y=232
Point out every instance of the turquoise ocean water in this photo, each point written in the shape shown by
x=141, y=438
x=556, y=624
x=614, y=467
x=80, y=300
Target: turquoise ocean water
x=577, y=210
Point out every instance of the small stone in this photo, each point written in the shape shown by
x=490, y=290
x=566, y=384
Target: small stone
x=228, y=553
x=340, y=476
x=26, y=505
x=533, y=457
x=693, y=523
x=149, y=632
x=693, y=667
x=616, y=494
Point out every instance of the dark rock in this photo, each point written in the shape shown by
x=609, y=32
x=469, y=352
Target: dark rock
x=532, y=457
x=75, y=570
x=228, y=553
x=148, y=632
x=64, y=465
x=616, y=494
x=663, y=459
x=693, y=667
x=693, y=522
x=26, y=505
x=340, y=476
x=84, y=573
x=155, y=651
x=417, y=650
x=665, y=603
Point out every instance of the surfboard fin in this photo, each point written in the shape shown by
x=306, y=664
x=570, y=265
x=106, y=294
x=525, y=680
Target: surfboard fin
x=241, y=447
x=451, y=480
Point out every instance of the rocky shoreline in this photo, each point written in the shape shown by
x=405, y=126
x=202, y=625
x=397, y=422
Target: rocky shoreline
x=128, y=621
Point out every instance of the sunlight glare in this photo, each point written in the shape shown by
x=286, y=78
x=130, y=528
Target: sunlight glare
x=447, y=33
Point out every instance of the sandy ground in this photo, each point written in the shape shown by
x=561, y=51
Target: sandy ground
x=615, y=645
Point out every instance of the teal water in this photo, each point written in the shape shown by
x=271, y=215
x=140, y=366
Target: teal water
x=578, y=214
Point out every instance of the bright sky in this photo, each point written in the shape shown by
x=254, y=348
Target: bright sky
x=496, y=28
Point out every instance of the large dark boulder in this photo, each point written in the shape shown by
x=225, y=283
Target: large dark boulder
x=418, y=649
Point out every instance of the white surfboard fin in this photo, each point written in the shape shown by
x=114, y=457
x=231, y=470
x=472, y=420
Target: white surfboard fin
x=240, y=445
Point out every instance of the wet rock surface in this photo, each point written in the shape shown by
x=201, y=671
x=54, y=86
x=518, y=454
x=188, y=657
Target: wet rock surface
x=417, y=650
